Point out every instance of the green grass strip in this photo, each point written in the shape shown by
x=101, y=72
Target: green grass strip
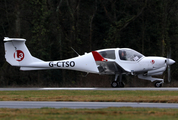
x=124, y=113
x=91, y=96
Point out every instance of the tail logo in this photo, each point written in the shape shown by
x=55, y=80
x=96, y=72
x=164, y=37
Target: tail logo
x=19, y=55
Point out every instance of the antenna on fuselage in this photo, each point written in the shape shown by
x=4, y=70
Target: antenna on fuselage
x=75, y=51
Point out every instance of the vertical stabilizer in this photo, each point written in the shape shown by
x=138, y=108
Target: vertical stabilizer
x=16, y=52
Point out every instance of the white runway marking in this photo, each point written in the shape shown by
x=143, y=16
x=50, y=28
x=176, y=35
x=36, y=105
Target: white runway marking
x=119, y=89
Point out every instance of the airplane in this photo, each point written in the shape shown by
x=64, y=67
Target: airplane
x=113, y=61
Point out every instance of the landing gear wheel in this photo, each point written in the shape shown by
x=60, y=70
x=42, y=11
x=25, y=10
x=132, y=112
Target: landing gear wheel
x=114, y=84
x=158, y=84
x=121, y=84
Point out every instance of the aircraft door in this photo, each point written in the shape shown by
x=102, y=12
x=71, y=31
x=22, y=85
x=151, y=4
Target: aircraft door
x=129, y=59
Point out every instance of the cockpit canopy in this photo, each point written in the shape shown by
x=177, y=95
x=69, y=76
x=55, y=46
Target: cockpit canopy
x=108, y=54
x=124, y=54
x=129, y=55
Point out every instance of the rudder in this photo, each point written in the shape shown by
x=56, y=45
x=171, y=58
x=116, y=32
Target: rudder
x=16, y=52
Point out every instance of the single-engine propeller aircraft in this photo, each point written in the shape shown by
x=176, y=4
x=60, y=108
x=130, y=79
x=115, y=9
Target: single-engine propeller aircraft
x=116, y=61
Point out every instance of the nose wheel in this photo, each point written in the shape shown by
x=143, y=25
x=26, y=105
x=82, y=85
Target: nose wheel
x=158, y=84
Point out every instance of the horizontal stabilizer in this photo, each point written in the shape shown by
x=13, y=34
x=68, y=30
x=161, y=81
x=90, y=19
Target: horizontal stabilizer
x=32, y=68
x=7, y=39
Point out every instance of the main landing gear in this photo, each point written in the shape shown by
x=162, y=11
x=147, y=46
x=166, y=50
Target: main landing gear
x=115, y=84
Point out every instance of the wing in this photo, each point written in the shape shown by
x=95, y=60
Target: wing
x=108, y=67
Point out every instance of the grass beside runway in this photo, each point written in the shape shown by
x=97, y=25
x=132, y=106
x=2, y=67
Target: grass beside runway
x=91, y=96
x=124, y=113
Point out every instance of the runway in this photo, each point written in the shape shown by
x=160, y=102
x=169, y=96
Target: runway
x=77, y=105
x=89, y=105
x=106, y=89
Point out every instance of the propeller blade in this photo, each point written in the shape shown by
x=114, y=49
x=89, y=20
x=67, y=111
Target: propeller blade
x=169, y=62
x=169, y=73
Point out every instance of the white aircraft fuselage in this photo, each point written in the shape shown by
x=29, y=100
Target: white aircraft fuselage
x=116, y=61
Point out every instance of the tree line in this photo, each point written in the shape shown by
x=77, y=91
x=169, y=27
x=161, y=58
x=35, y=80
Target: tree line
x=52, y=27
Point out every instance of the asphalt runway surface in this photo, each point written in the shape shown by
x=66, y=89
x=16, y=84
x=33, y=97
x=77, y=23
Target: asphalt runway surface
x=89, y=105
x=77, y=105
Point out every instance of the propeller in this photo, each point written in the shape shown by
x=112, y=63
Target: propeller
x=168, y=66
x=169, y=62
x=169, y=73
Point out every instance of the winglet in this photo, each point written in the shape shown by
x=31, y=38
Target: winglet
x=97, y=56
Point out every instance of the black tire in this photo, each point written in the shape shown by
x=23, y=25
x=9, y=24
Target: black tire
x=114, y=84
x=121, y=84
x=157, y=84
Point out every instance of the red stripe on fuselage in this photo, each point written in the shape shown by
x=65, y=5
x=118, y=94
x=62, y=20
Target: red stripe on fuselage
x=97, y=56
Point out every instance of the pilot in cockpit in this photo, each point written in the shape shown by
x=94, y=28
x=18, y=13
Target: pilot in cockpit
x=122, y=55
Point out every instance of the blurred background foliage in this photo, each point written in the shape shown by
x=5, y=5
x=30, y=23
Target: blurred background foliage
x=52, y=27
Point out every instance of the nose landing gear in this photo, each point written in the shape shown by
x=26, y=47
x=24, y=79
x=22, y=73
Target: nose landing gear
x=158, y=84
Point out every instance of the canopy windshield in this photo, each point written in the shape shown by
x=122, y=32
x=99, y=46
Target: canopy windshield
x=129, y=55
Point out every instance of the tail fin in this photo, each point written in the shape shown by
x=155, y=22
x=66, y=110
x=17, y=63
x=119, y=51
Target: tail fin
x=16, y=52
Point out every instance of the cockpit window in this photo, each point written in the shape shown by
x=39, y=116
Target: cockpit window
x=108, y=54
x=129, y=55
